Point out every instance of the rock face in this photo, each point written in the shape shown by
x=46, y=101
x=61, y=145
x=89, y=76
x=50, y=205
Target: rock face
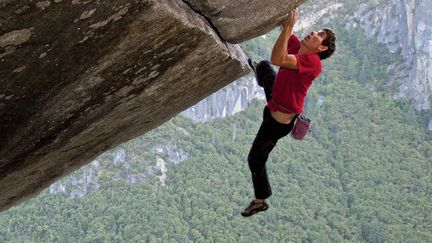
x=403, y=26
x=79, y=77
x=227, y=101
x=240, y=20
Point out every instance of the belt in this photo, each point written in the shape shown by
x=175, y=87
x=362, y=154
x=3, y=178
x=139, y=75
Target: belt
x=281, y=107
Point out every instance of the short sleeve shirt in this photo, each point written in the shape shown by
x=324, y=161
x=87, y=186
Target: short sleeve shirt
x=291, y=86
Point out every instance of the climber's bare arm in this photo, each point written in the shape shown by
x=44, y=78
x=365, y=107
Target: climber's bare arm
x=279, y=55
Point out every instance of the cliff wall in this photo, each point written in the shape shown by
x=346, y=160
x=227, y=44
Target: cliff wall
x=80, y=77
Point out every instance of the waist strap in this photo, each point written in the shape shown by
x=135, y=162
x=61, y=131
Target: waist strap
x=281, y=107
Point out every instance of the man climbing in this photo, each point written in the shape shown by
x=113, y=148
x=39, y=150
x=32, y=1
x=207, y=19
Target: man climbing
x=300, y=63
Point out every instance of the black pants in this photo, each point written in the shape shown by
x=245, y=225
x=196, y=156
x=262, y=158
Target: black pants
x=268, y=134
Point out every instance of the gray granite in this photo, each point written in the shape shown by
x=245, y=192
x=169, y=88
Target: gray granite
x=80, y=77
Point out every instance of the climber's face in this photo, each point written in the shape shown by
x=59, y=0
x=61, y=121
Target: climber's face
x=313, y=41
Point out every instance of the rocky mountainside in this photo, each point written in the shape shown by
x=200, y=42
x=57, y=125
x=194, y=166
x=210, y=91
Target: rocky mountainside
x=403, y=27
x=70, y=126
x=80, y=77
x=226, y=102
x=125, y=164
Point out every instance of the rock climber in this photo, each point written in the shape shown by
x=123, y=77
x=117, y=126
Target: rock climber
x=299, y=64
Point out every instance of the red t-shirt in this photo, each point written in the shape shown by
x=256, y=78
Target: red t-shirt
x=291, y=86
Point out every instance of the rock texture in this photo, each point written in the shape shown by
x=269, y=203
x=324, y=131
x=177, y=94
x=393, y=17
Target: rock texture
x=227, y=101
x=241, y=20
x=79, y=77
x=403, y=26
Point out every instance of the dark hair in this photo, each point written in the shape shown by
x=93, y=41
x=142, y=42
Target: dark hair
x=330, y=42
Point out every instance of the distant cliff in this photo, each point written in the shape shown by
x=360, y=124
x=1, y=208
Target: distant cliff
x=404, y=27
x=226, y=102
x=123, y=164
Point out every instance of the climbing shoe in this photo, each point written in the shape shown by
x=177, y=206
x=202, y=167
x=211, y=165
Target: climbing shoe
x=254, y=208
x=253, y=65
